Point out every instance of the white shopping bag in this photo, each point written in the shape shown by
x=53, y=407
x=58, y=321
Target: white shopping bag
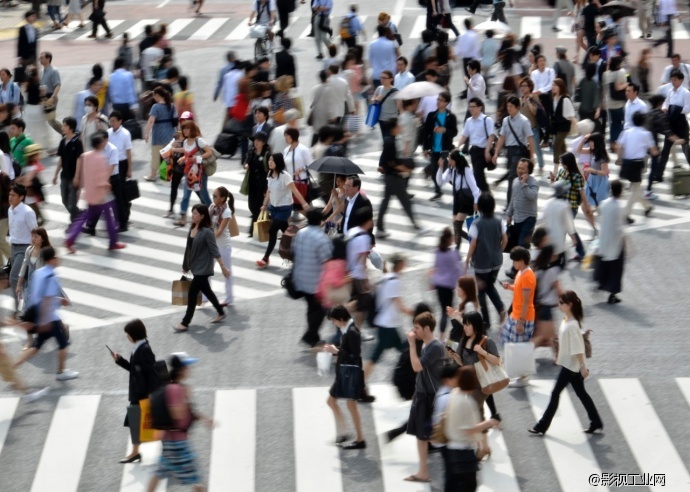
x=519, y=359
x=323, y=362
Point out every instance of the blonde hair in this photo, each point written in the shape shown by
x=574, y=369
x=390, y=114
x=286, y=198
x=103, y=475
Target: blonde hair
x=384, y=17
x=284, y=83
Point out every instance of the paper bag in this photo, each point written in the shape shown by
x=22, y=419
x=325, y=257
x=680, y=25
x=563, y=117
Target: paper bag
x=261, y=227
x=323, y=362
x=146, y=432
x=233, y=227
x=180, y=293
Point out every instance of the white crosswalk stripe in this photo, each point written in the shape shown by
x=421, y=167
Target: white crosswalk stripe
x=410, y=27
x=233, y=447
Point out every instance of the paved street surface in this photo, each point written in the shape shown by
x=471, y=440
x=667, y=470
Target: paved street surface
x=274, y=431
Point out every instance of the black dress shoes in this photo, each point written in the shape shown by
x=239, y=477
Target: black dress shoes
x=356, y=445
x=136, y=457
x=593, y=428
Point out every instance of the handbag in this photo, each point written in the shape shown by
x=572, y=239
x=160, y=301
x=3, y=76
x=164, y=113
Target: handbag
x=462, y=194
x=130, y=190
x=519, y=359
x=209, y=163
x=233, y=227
x=180, y=292
x=438, y=431
x=585, y=337
x=146, y=432
x=244, y=187
x=288, y=284
x=348, y=381
x=492, y=378
x=261, y=227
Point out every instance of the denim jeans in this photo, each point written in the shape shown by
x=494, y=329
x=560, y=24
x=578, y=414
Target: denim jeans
x=202, y=194
x=617, y=117
x=579, y=247
x=524, y=231
x=54, y=13
x=537, y=148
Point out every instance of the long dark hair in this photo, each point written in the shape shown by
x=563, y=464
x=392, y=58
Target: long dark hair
x=279, y=161
x=474, y=319
x=469, y=286
x=459, y=159
x=228, y=197
x=43, y=234
x=598, y=147
x=570, y=164
x=160, y=91
x=205, y=216
x=543, y=260
x=570, y=297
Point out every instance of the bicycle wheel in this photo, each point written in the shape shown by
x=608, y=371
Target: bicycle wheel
x=258, y=49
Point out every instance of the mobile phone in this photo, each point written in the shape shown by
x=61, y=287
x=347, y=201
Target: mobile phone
x=109, y=349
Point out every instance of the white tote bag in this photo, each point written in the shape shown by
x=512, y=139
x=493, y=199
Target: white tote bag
x=519, y=359
x=323, y=362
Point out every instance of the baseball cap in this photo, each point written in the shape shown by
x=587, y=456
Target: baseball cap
x=187, y=115
x=179, y=359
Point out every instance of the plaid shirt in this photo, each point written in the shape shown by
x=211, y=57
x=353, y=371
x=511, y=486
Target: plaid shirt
x=577, y=183
x=311, y=248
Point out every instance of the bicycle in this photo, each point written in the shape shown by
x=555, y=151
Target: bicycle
x=264, y=40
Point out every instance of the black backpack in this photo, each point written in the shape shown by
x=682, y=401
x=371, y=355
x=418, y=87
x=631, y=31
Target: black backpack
x=417, y=66
x=160, y=413
x=404, y=377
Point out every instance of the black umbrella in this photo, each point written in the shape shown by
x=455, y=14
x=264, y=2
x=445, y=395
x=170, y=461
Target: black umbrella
x=623, y=9
x=335, y=165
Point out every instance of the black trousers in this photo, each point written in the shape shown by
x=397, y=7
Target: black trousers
x=315, y=316
x=123, y=206
x=668, y=38
x=276, y=225
x=283, y=17
x=567, y=377
x=433, y=169
x=174, y=185
x=479, y=167
x=124, y=109
x=395, y=186
x=445, y=299
x=666, y=152
x=254, y=201
x=99, y=16
x=487, y=286
x=199, y=284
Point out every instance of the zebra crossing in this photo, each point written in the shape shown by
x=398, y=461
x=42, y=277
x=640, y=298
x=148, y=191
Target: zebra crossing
x=232, y=452
x=106, y=287
x=409, y=26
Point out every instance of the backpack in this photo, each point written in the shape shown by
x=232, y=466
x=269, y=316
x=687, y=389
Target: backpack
x=375, y=308
x=404, y=378
x=160, y=413
x=417, y=66
x=616, y=95
x=346, y=27
x=542, y=117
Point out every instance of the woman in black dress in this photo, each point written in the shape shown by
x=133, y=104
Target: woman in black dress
x=143, y=379
x=349, y=353
x=257, y=169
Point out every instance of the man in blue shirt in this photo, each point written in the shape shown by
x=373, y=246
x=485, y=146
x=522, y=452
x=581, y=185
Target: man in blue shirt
x=121, y=90
x=383, y=55
x=46, y=297
x=355, y=28
x=231, y=59
x=322, y=24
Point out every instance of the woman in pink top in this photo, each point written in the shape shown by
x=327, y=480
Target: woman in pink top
x=177, y=458
x=334, y=284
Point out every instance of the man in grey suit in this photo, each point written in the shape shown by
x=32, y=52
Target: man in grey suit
x=343, y=101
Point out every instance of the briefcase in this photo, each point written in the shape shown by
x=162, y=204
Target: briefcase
x=681, y=182
x=130, y=190
x=134, y=128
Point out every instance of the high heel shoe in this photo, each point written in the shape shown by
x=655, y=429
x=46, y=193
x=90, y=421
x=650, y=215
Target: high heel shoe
x=534, y=430
x=131, y=459
x=594, y=429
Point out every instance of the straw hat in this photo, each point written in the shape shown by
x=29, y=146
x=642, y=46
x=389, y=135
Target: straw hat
x=33, y=149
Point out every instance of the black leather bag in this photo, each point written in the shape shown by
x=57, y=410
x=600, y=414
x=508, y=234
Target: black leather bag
x=134, y=128
x=288, y=284
x=130, y=190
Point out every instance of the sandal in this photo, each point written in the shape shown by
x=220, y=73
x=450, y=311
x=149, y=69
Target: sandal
x=180, y=328
x=415, y=478
x=149, y=178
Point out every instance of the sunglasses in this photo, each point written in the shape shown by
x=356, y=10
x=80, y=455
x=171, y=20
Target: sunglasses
x=561, y=301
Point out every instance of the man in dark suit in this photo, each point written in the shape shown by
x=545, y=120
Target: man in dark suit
x=27, y=43
x=285, y=62
x=98, y=19
x=262, y=124
x=355, y=202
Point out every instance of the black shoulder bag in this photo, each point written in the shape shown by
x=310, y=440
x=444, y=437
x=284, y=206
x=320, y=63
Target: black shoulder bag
x=523, y=148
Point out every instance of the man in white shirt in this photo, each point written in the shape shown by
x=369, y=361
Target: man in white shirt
x=344, y=102
x=633, y=145
x=476, y=85
x=633, y=104
x=677, y=107
x=120, y=137
x=467, y=45
x=150, y=58
x=276, y=140
x=404, y=77
x=359, y=245
x=543, y=78
x=390, y=310
x=479, y=130
x=676, y=64
x=558, y=219
x=22, y=220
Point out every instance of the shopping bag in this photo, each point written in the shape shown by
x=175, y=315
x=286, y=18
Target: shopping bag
x=146, y=432
x=165, y=171
x=261, y=227
x=233, y=227
x=469, y=222
x=352, y=123
x=373, y=114
x=134, y=128
x=519, y=359
x=180, y=292
x=323, y=363
x=244, y=187
x=492, y=378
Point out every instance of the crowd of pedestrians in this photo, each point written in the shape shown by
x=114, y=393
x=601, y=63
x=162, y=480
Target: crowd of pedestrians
x=539, y=107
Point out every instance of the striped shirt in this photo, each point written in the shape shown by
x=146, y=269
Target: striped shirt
x=523, y=201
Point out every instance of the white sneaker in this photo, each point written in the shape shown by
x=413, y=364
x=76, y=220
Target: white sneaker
x=66, y=375
x=519, y=382
x=650, y=195
x=32, y=397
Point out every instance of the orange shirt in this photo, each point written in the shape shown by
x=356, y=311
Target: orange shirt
x=524, y=280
